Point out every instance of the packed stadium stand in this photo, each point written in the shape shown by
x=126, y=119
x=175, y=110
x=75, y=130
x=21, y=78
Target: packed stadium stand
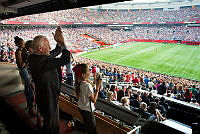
x=131, y=100
x=109, y=35
x=185, y=14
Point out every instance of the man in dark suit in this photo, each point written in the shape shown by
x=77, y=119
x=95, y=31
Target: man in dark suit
x=46, y=73
x=143, y=111
x=135, y=101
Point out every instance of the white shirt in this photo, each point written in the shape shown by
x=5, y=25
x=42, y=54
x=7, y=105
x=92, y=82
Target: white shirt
x=150, y=84
x=97, y=70
x=116, y=102
x=86, y=90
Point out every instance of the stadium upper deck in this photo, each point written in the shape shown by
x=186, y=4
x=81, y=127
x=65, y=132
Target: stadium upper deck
x=101, y=16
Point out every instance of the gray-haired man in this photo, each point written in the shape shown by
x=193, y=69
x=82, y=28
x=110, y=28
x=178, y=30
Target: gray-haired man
x=46, y=73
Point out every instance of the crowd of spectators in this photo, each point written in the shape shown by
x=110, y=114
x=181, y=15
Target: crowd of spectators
x=155, y=32
x=142, y=102
x=184, y=14
x=155, y=83
x=138, y=88
x=178, y=86
x=76, y=41
x=73, y=36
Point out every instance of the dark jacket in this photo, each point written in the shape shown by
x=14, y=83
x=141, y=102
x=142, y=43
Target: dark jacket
x=162, y=89
x=46, y=73
x=144, y=114
x=135, y=103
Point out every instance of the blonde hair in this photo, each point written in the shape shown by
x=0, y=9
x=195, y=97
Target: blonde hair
x=143, y=105
x=37, y=41
x=124, y=100
x=109, y=94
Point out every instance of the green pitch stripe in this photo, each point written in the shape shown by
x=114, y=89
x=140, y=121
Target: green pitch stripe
x=177, y=60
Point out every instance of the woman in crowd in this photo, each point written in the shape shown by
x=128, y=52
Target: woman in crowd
x=87, y=97
x=153, y=110
x=113, y=89
x=21, y=60
x=110, y=96
x=125, y=102
x=188, y=95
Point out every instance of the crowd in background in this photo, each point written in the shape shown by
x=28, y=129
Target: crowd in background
x=184, y=14
x=177, y=88
x=76, y=41
x=139, y=88
x=143, y=102
x=72, y=35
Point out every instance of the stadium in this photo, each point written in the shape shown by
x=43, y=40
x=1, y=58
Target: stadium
x=146, y=52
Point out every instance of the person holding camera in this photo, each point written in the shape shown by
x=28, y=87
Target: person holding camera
x=46, y=72
x=86, y=95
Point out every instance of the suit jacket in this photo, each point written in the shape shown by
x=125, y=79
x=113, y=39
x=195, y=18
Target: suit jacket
x=144, y=114
x=46, y=73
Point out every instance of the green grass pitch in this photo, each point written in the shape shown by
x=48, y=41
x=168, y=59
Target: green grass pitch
x=172, y=59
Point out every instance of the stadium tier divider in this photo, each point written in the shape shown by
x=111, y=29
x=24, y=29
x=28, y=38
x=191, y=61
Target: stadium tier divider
x=154, y=127
x=121, y=83
x=169, y=99
x=117, y=112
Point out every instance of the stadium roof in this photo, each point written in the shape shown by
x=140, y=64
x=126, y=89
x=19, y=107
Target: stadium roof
x=144, y=4
x=154, y=1
x=14, y=8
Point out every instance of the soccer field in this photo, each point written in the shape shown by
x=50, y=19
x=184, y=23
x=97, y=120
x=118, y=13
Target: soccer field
x=173, y=59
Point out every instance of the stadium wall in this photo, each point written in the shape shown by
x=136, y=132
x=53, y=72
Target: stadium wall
x=93, y=23
x=163, y=41
x=151, y=5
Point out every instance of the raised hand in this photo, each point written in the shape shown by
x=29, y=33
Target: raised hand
x=58, y=36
